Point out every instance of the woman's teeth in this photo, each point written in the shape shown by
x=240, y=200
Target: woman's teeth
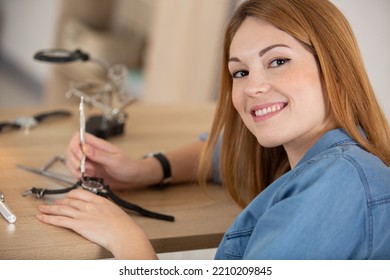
x=271, y=109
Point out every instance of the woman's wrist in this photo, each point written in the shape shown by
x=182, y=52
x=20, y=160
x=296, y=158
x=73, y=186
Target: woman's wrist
x=150, y=172
x=132, y=243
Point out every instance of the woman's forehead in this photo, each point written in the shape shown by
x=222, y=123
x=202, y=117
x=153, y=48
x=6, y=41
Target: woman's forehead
x=256, y=33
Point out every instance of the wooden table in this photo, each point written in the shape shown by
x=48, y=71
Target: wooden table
x=202, y=216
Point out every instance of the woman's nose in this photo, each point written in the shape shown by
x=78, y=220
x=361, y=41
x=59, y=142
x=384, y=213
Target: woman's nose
x=256, y=85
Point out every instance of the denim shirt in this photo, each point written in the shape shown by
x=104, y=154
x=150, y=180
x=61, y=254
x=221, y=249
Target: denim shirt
x=335, y=204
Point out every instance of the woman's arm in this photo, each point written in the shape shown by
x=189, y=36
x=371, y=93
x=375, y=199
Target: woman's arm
x=120, y=171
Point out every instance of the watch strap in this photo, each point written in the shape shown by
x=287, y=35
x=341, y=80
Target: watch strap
x=166, y=167
x=23, y=122
x=142, y=211
x=5, y=125
x=60, y=113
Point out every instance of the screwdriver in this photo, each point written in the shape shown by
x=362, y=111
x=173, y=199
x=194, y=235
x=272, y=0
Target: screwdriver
x=6, y=211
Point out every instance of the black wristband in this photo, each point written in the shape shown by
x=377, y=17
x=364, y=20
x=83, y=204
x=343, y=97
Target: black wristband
x=166, y=167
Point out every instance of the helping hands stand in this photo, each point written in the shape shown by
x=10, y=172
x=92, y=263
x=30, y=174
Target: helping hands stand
x=110, y=97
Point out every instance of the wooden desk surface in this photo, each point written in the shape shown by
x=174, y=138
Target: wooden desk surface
x=202, y=216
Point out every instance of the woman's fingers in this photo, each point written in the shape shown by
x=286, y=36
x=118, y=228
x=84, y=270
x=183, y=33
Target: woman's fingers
x=60, y=221
x=73, y=166
x=59, y=210
x=75, y=207
x=62, y=214
x=73, y=155
x=96, y=149
x=100, y=144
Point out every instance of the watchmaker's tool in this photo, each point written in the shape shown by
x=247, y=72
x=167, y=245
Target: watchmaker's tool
x=6, y=211
x=44, y=170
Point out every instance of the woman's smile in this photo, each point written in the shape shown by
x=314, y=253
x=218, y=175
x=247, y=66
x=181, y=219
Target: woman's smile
x=265, y=111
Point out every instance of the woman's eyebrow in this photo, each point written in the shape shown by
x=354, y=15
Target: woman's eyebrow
x=261, y=53
x=267, y=49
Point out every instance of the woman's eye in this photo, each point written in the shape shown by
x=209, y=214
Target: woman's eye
x=240, y=74
x=278, y=62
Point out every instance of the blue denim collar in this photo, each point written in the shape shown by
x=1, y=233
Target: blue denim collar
x=330, y=139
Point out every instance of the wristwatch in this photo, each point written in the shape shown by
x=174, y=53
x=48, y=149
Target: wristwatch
x=97, y=186
x=166, y=167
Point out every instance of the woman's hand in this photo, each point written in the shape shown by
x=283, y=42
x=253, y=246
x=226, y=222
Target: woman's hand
x=108, y=162
x=101, y=221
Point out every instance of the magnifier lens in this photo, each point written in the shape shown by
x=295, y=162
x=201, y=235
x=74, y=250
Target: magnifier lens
x=60, y=55
x=57, y=53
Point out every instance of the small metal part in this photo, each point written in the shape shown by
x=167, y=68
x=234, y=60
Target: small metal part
x=39, y=193
x=6, y=211
x=52, y=161
x=27, y=193
x=26, y=123
x=52, y=175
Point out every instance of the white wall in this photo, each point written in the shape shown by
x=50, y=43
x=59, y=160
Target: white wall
x=26, y=27
x=370, y=21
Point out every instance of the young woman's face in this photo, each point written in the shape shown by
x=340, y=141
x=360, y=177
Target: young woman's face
x=277, y=88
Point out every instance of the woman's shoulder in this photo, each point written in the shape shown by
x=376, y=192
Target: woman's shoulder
x=373, y=172
x=349, y=167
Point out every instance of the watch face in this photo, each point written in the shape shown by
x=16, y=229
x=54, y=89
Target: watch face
x=94, y=185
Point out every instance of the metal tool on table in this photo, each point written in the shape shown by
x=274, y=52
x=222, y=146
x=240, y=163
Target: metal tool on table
x=28, y=122
x=6, y=211
x=44, y=171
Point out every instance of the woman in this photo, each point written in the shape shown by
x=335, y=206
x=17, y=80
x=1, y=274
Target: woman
x=301, y=126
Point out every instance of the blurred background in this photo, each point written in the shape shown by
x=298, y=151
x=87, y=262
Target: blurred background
x=171, y=47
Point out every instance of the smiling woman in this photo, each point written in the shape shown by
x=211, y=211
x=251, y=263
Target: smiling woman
x=294, y=109
x=305, y=146
x=353, y=104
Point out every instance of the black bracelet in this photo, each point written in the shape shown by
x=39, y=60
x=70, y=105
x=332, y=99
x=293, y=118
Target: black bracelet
x=167, y=175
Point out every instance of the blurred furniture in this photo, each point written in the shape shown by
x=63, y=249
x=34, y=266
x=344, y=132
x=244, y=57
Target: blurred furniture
x=111, y=30
x=175, y=44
